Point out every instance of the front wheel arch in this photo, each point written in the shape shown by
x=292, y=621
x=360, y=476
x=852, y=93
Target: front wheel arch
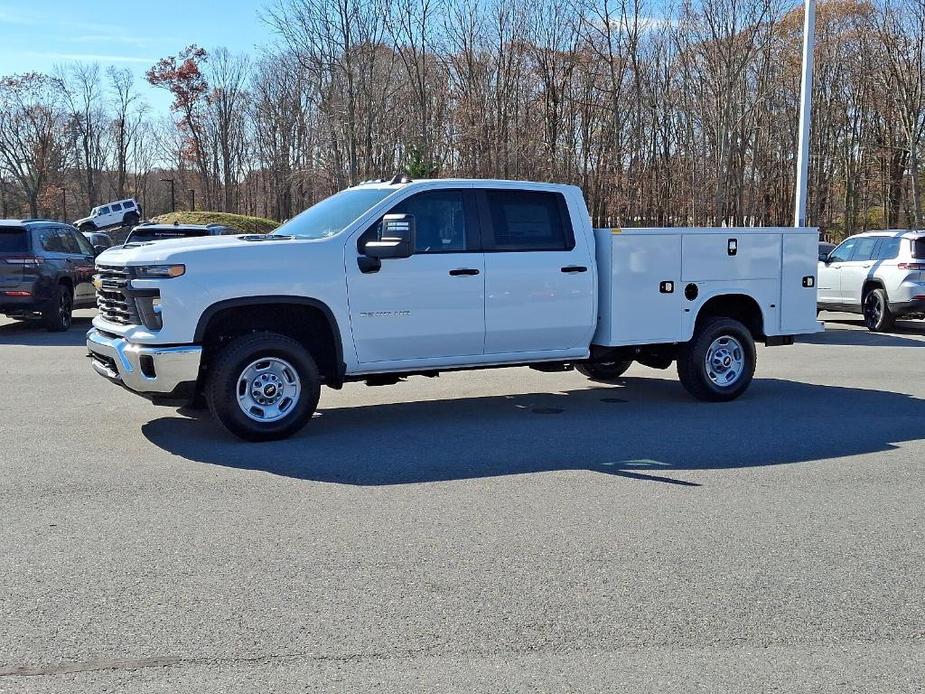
x=304, y=319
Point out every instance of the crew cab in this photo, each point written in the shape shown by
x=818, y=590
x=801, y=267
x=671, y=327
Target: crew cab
x=391, y=279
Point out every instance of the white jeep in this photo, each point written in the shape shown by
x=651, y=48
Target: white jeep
x=119, y=213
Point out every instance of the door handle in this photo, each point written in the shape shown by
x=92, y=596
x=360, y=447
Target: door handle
x=574, y=268
x=464, y=271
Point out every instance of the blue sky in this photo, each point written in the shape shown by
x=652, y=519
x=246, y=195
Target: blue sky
x=36, y=35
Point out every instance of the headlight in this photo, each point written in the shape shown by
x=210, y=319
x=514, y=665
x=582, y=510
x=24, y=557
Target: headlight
x=159, y=271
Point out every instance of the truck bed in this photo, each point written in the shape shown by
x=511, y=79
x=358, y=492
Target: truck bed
x=653, y=281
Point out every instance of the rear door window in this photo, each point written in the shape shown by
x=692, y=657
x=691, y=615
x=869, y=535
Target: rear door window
x=51, y=241
x=865, y=248
x=14, y=240
x=528, y=221
x=116, y=207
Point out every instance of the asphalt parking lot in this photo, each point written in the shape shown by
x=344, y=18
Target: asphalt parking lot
x=495, y=531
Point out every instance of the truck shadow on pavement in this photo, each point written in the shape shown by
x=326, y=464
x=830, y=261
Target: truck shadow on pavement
x=33, y=334
x=646, y=429
x=836, y=334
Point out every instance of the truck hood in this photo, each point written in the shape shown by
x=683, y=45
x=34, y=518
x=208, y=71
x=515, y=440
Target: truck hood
x=183, y=250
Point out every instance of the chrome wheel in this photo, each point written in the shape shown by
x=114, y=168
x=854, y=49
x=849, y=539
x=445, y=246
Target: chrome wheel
x=268, y=389
x=725, y=361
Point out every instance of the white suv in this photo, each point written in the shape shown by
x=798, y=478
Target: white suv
x=879, y=274
x=119, y=213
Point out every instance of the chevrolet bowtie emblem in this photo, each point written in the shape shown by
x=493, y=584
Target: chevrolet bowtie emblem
x=97, y=282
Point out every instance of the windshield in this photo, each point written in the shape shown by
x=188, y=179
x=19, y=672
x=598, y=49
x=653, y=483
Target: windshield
x=332, y=215
x=140, y=235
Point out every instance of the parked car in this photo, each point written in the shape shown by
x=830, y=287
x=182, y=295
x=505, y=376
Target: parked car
x=160, y=232
x=99, y=240
x=113, y=214
x=878, y=274
x=46, y=271
x=391, y=279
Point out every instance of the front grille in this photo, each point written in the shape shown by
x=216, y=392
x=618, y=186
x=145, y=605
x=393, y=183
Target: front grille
x=111, y=299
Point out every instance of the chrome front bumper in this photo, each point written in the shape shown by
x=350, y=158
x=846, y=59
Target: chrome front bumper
x=145, y=369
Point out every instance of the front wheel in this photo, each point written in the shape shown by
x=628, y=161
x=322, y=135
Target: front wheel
x=605, y=371
x=718, y=364
x=130, y=219
x=877, y=314
x=263, y=386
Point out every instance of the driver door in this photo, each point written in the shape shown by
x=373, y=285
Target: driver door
x=829, y=292
x=428, y=308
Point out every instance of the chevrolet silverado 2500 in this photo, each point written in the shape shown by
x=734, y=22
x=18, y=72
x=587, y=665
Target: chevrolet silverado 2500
x=390, y=279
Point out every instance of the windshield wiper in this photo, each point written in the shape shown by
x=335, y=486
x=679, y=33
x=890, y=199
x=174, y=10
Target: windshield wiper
x=266, y=237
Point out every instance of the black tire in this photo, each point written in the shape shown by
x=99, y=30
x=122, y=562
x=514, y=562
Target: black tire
x=227, y=376
x=877, y=314
x=130, y=219
x=704, y=382
x=605, y=371
x=87, y=227
x=58, y=314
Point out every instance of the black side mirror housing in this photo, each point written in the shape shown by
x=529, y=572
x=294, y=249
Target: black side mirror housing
x=98, y=249
x=396, y=239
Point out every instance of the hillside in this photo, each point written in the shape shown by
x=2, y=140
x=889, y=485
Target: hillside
x=243, y=223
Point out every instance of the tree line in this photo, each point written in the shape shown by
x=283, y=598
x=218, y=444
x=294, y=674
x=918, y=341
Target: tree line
x=664, y=115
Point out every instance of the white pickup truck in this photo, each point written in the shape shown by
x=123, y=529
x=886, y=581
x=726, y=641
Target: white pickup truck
x=391, y=279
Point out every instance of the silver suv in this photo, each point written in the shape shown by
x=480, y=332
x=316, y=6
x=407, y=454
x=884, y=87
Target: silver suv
x=879, y=274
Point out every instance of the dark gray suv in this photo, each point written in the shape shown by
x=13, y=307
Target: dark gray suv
x=46, y=271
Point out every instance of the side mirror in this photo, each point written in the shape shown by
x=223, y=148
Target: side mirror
x=396, y=240
x=824, y=257
x=98, y=249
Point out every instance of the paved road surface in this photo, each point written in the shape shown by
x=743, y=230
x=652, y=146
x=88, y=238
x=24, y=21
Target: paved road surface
x=495, y=531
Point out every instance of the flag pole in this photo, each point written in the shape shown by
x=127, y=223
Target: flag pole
x=806, y=110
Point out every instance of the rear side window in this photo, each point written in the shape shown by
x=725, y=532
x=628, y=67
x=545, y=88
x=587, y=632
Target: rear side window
x=528, y=221
x=918, y=247
x=889, y=248
x=13, y=240
x=864, y=248
x=128, y=204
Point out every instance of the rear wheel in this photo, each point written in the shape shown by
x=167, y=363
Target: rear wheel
x=57, y=315
x=263, y=386
x=718, y=364
x=877, y=314
x=605, y=371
